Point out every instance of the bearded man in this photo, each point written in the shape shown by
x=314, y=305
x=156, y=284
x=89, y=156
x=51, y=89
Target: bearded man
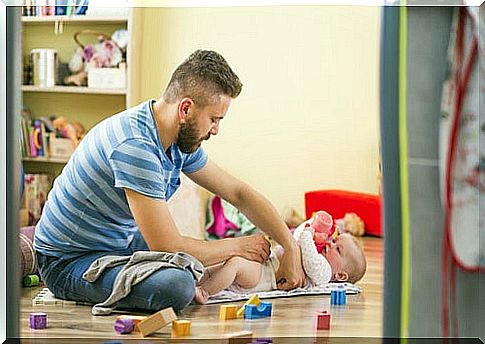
x=110, y=200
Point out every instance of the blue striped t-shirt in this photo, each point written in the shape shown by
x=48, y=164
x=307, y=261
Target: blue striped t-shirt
x=87, y=208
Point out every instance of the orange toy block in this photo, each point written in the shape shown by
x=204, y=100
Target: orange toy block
x=181, y=328
x=136, y=319
x=156, y=321
x=253, y=300
x=227, y=312
x=322, y=320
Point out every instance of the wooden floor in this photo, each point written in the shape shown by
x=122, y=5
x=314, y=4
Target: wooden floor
x=292, y=317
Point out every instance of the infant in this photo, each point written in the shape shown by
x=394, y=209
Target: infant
x=341, y=259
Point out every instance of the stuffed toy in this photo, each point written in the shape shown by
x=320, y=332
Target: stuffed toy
x=106, y=53
x=75, y=132
x=352, y=224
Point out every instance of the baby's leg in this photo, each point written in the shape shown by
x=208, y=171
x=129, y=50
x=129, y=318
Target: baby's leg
x=244, y=272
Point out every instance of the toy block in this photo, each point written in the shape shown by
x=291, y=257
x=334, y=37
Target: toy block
x=253, y=300
x=322, y=320
x=136, y=320
x=156, y=321
x=124, y=326
x=38, y=321
x=242, y=337
x=227, y=312
x=338, y=297
x=31, y=281
x=261, y=311
x=181, y=328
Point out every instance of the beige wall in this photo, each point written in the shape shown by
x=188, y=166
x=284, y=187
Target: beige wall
x=307, y=118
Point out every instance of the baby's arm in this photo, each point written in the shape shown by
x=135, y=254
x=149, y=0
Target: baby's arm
x=315, y=265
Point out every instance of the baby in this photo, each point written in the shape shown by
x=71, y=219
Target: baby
x=342, y=259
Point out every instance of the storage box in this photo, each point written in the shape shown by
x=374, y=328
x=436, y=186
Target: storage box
x=111, y=78
x=60, y=147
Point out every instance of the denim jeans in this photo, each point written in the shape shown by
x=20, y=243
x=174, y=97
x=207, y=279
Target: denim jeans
x=169, y=287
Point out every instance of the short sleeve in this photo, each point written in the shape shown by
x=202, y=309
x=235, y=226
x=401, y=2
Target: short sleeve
x=136, y=166
x=195, y=161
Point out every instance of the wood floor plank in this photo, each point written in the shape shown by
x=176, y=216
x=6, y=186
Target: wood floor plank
x=292, y=317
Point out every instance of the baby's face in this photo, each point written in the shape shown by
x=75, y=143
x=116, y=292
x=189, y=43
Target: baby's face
x=340, y=252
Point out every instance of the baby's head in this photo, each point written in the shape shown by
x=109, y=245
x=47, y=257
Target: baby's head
x=346, y=258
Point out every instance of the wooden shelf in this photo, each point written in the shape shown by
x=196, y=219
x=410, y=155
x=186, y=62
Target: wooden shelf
x=46, y=160
x=73, y=89
x=74, y=19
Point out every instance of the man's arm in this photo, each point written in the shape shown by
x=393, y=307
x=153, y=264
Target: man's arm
x=259, y=211
x=161, y=234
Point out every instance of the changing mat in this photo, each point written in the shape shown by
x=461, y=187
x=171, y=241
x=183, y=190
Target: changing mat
x=230, y=296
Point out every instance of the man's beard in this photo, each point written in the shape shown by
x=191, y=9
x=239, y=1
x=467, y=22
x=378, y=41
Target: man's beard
x=188, y=138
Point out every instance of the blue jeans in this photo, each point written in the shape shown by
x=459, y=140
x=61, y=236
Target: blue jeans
x=169, y=287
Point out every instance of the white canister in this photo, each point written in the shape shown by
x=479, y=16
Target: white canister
x=44, y=67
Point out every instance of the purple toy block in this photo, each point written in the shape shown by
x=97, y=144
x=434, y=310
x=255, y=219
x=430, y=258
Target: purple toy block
x=124, y=326
x=38, y=321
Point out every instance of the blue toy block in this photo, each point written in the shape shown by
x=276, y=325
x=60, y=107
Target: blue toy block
x=254, y=312
x=338, y=297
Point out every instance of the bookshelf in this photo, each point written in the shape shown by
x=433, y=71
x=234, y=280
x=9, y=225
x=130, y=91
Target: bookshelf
x=82, y=104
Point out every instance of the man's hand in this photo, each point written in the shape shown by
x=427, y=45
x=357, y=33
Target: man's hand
x=290, y=275
x=253, y=247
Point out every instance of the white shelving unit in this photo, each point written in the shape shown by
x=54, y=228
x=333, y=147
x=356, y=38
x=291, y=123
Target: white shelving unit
x=73, y=89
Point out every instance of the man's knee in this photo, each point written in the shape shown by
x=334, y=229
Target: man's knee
x=170, y=288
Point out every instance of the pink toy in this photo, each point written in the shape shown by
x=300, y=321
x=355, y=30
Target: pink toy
x=123, y=326
x=38, y=321
x=324, y=229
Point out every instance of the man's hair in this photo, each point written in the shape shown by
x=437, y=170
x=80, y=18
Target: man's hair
x=358, y=263
x=204, y=75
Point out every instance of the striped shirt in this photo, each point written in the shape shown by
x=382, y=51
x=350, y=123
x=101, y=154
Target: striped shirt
x=87, y=208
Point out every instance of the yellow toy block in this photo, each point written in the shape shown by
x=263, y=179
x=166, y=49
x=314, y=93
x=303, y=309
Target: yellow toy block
x=181, y=328
x=136, y=319
x=227, y=312
x=156, y=321
x=253, y=300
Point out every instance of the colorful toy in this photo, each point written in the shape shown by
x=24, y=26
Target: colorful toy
x=124, y=326
x=156, y=321
x=253, y=300
x=322, y=320
x=181, y=328
x=31, y=281
x=338, y=297
x=38, y=321
x=324, y=230
x=227, y=312
x=237, y=337
x=255, y=312
x=351, y=223
x=136, y=320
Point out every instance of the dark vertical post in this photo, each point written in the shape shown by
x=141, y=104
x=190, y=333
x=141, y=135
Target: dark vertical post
x=13, y=102
x=389, y=121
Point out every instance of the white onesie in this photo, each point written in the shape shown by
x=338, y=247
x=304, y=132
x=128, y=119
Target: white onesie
x=316, y=266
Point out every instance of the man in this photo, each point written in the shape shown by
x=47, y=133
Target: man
x=111, y=197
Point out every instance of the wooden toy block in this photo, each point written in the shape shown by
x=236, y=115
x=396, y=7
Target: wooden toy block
x=241, y=337
x=253, y=300
x=255, y=312
x=181, y=328
x=156, y=321
x=322, y=320
x=338, y=297
x=136, y=320
x=227, y=312
x=124, y=326
x=38, y=321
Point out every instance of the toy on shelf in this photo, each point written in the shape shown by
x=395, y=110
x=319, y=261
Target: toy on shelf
x=156, y=321
x=38, y=320
x=227, y=312
x=263, y=310
x=181, y=328
x=75, y=131
x=351, y=223
x=322, y=320
x=124, y=326
x=338, y=297
x=253, y=300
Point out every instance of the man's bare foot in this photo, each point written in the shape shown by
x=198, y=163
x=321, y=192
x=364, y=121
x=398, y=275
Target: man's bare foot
x=201, y=296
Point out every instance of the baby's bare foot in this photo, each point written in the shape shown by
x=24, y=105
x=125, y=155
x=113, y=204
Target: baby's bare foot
x=201, y=296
